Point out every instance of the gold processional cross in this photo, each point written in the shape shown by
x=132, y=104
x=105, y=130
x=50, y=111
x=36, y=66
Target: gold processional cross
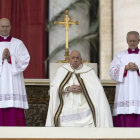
x=66, y=23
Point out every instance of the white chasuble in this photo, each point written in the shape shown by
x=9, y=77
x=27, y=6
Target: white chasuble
x=82, y=109
x=76, y=111
x=127, y=98
x=12, y=88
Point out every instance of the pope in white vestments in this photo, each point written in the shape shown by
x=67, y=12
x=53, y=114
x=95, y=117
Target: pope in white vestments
x=124, y=70
x=77, y=98
x=14, y=59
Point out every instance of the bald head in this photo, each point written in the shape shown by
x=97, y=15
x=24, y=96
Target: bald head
x=75, y=52
x=5, y=20
x=5, y=27
x=75, y=59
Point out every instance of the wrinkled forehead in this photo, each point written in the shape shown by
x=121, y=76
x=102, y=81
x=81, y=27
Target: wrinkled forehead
x=75, y=54
x=132, y=36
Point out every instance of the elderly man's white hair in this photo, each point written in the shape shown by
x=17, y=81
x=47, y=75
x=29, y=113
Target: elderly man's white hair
x=75, y=51
x=133, y=33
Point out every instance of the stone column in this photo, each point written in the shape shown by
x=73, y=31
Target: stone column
x=126, y=18
x=105, y=38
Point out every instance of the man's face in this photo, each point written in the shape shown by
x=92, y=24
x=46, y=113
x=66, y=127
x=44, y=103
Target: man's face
x=132, y=41
x=5, y=27
x=75, y=59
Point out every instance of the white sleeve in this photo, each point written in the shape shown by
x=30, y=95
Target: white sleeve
x=66, y=86
x=20, y=59
x=116, y=70
x=53, y=83
x=0, y=64
x=138, y=67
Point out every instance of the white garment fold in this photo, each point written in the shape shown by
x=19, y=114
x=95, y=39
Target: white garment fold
x=95, y=92
x=76, y=111
x=12, y=88
x=127, y=98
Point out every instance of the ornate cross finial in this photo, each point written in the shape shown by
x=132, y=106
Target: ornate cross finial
x=66, y=22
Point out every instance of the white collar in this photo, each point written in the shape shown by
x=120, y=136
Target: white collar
x=133, y=49
x=80, y=66
x=5, y=37
x=82, y=69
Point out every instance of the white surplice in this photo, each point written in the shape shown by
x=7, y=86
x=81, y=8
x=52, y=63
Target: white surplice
x=12, y=87
x=127, y=98
x=76, y=111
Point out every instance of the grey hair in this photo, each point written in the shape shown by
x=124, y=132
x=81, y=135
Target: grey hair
x=134, y=33
x=75, y=51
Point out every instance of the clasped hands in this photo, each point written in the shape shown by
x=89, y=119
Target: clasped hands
x=74, y=88
x=131, y=66
x=6, y=54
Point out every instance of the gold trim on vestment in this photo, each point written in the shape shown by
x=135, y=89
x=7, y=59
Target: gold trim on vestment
x=80, y=72
x=57, y=114
x=81, y=82
x=86, y=71
x=63, y=83
x=65, y=68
